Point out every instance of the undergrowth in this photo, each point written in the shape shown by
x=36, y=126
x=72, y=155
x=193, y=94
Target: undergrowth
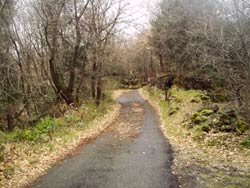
x=24, y=150
x=48, y=127
x=191, y=113
x=205, y=148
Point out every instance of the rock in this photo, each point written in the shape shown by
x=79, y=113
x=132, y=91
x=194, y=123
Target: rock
x=214, y=131
x=195, y=101
x=205, y=97
x=199, y=119
x=241, y=126
x=205, y=128
x=207, y=112
x=231, y=113
x=226, y=119
x=210, y=120
x=225, y=128
x=215, y=108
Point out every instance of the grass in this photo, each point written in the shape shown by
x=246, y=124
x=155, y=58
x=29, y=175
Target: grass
x=49, y=137
x=179, y=100
x=207, y=151
x=246, y=143
x=48, y=128
x=223, y=179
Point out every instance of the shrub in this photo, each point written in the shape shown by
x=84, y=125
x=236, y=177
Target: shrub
x=23, y=135
x=46, y=127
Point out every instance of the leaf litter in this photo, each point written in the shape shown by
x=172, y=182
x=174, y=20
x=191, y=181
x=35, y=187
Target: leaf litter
x=24, y=162
x=198, y=165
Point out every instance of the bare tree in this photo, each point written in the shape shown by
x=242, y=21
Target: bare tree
x=101, y=23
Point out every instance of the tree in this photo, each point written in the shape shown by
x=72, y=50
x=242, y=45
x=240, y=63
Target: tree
x=7, y=76
x=207, y=40
x=100, y=25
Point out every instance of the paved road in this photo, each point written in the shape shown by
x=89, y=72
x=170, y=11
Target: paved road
x=134, y=154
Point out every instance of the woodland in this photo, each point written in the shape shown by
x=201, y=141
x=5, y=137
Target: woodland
x=57, y=52
x=57, y=55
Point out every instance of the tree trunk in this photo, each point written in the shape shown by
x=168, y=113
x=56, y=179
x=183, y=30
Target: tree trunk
x=98, y=91
x=9, y=117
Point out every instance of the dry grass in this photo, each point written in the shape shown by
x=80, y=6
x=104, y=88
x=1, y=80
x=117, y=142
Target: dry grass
x=196, y=163
x=24, y=162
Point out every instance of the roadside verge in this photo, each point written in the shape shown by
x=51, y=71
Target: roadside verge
x=25, y=161
x=199, y=161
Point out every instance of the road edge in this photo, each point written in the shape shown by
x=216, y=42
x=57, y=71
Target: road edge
x=96, y=128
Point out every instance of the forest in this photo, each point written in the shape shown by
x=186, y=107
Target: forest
x=60, y=61
x=53, y=52
x=56, y=52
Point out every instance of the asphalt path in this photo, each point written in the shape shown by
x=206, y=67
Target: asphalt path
x=134, y=154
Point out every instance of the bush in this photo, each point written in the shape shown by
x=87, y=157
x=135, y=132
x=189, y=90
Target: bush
x=43, y=129
x=24, y=135
x=46, y=127
x=46, y=124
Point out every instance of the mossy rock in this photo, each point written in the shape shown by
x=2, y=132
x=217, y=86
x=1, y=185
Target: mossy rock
x=231, y=113
x=242, y=127
x=195, y=101
x=173, y=110
x=201, y=116
x=214, y=108
x=199, y=119
x=226, y=119
x=205, y=97
x=226, y=128
x=207, y=112
x=205, y=128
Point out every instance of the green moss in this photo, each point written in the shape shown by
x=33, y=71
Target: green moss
x=201, y=116
x=205, y=97
x=185, y=95
x=207, y=112
x=246, y=143
x=164, y=105
x=241, y=127
x=225, y=128
x=205, y=128
x=199, y=119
